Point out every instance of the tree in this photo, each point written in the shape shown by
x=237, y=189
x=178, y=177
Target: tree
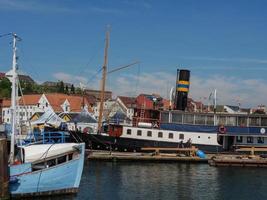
x=67, y=89
x=60, y=87
x=5, y=88
x=72, y=89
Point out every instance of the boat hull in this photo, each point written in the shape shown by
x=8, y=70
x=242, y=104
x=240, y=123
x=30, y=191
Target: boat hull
x=106, y=142
x=60, y=179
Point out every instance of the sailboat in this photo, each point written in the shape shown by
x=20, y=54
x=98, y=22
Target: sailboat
x=41, y=169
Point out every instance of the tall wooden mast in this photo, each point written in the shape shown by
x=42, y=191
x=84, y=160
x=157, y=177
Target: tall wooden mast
x=103, y=81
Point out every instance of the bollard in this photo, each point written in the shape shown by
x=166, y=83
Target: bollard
x=4, y=177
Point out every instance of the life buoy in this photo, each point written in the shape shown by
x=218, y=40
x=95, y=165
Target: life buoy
x=222, y=129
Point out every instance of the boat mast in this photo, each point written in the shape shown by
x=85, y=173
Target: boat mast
x=103, y=81
x=13, y=98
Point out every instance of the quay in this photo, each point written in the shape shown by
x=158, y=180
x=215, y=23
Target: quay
x=238, y=161
x=4, y=177
x=156, y=155
x=242, y=160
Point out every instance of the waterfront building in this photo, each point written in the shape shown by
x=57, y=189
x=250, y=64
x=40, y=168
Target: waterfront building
x=30, y=105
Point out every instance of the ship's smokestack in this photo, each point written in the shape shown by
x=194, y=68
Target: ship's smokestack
x=182, y=89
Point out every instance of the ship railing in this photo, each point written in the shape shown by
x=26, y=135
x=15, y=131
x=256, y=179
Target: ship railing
x=214, y=119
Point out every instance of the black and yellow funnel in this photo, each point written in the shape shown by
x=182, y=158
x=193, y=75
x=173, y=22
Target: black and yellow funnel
x=182, y=89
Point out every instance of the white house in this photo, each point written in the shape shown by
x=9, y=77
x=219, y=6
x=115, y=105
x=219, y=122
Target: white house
x=34, y=103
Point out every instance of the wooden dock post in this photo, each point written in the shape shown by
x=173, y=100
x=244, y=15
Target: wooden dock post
x=4, y=178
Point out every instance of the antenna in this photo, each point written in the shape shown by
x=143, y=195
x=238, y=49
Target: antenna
x=13, y=96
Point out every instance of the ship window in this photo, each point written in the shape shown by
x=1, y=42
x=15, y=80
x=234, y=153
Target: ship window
x=263, y=121
x=242, y=121
x=149, y=133
x=200, y=119
x=160, y=134
x=188, y=119
x=239, y=139
x=249, y=139
x=260, y=140
x=176, y=117
x=165, y=117
x=209, y=137
x=62, y=159
x=198, y=136
x=139, y=132
x=51, y=163
x=210, y=120
x=221, y=120
x=231, y=121
x=70, y=156
x=254, y=121
x=129, y=131
x=171, y=135
x=181, y=136
x=38, y=166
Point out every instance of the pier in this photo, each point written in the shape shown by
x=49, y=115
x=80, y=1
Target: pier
x=150, y=157
x=4, y=178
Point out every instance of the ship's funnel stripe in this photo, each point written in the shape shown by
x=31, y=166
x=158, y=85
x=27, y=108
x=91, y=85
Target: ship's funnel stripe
x=182, y=86
x=182, y=89
x=183, y=82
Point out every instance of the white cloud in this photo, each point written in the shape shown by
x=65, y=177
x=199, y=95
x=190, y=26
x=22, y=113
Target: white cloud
x=230, y=90
x=32, y=5
x=69, y=78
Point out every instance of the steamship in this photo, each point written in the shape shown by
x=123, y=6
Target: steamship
x=210, y=132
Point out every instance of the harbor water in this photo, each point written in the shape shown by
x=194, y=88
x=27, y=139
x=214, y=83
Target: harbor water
x=142, y=180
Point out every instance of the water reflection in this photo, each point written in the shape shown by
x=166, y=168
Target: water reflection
x=130, y=180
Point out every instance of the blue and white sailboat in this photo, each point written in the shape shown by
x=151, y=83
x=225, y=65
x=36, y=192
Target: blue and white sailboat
x=41, y=169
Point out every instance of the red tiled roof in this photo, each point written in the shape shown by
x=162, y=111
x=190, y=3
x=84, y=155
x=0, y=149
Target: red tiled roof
x=29, y=99
x=6, y=103
x=2, y=75
x=56, y=100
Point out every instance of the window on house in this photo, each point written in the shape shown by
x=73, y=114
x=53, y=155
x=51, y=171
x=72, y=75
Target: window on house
x=149, y=133
x=239, y=139
x=181, y=136
x=160, y=134
x=139, y=132
x=249, y=139
x=46, y=104
x=171, y=135
x=129, y=131
x=260, y=140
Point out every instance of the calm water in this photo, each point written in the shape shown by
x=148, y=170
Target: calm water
x=135, y=180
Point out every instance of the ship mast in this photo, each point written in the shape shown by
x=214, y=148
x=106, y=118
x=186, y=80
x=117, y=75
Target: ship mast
x=103, y=82
x=13, y=98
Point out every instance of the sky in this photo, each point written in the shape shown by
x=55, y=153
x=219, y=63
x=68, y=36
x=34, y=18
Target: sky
x=222, y=43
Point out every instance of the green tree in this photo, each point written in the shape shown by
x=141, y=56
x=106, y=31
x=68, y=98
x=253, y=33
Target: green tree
x=72, y=89
x=5, y=88
x=66, y=89
x=61, y=87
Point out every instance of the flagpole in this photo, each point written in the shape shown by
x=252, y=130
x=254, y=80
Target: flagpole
x=215, y=100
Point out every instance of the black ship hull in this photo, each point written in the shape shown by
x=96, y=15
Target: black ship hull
x=106, y=142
